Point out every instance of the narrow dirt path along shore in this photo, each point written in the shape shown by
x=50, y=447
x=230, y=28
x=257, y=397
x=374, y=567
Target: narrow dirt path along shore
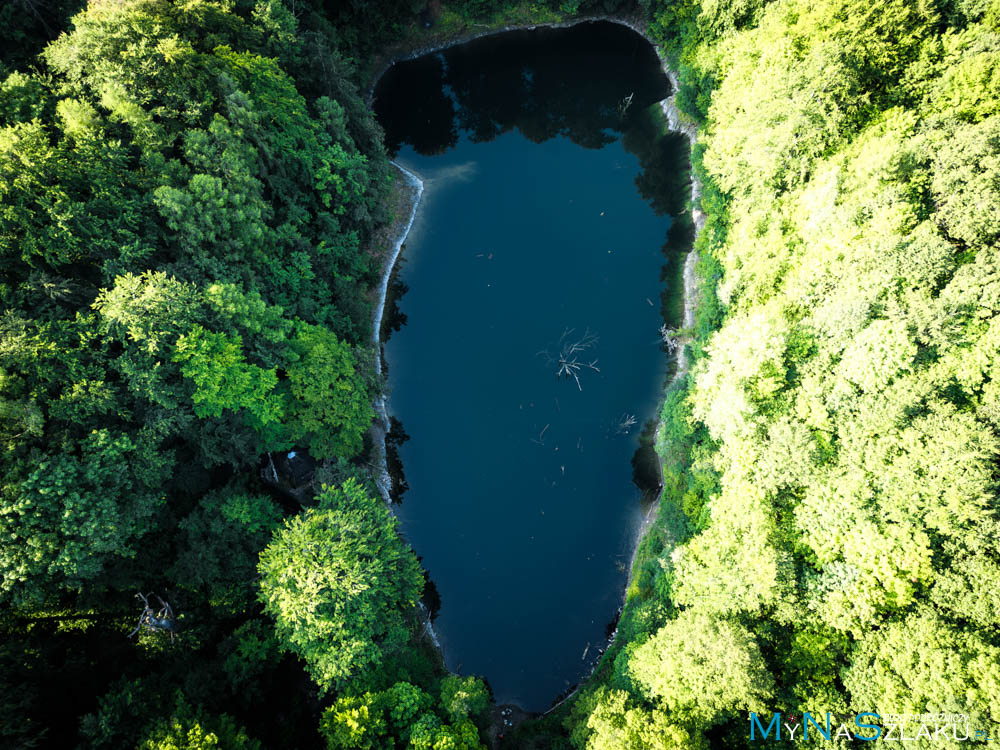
x=406, y=202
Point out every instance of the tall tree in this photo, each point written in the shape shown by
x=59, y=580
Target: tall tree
x=339, y=583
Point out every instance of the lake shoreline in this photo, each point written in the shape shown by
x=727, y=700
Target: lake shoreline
x=400, y=229
x=406, y=207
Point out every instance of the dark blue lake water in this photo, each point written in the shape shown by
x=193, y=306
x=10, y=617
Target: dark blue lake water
x=540, y=245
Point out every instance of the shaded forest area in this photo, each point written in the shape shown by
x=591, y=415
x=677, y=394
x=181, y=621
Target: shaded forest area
x=187, y=191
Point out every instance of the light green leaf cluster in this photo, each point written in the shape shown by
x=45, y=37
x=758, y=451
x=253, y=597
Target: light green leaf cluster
x=222, y=378
x=190, y=729
x=840, y=425
x=406, y=716
x=615, y=724
x=702, y=667
x=339, y=583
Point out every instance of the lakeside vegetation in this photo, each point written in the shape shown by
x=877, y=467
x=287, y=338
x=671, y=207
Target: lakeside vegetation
x=186, y=199
x=827, y=539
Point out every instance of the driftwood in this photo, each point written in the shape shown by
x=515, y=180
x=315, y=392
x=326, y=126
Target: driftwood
x=625, y=423
x=541, y=436
x=566, y=358
x=624, y=104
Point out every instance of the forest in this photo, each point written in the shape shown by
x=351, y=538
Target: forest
x=827, y=540
x=191, y=195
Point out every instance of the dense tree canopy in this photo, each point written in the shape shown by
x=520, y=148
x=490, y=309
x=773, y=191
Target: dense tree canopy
x=832, y=457
x=338, y=579
x=189, y=190
x=700, y=667
x=181, y=235
x=406, y=714
x=187, y=211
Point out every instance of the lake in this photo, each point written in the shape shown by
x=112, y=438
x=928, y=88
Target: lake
x=522, y=340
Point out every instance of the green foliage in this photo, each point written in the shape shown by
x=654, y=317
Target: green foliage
x=877, y=355
x=222, y=538
x=74, y=511
x=187, y=206
x=812, y=663
x=355, y=723
x=966, y=85
x=339, y=582
x=181, y=233
x=332, y=404
x=614, y=724
x=159, y=148
x=834, y=448
x=720, y=17
x=117, y=720
x=922, y=664
x=221, y=377
x=185, y=195
x=405, y=703
x=430, y=733
x=966, y=181
x=248, y=654
x=463, y=697
x=970, y=589
x=187, y=729
x=402, y=716
x=700, y=667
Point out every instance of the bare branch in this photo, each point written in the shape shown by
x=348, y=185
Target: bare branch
x=566, y=361
x=625, y=423
x=624, y=104
x=672, y=338
x=163, y=620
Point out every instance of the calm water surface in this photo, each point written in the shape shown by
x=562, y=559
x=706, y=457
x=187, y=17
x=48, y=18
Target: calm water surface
x=546, y=221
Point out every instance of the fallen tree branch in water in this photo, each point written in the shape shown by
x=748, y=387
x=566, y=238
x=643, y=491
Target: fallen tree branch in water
x=567, y=361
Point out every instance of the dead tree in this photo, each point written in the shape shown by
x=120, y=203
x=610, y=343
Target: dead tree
x=625, y=423
x=671, y=337
x=162, y=621
x=566, y=360
x=624, y=104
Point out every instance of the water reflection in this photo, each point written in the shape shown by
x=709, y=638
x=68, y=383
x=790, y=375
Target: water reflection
x=479, y=89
